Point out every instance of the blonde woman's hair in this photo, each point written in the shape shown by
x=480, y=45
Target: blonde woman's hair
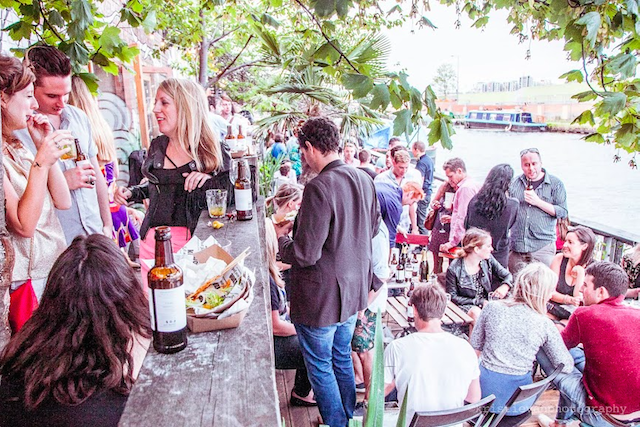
x=194, y=133
x=533, y=287
x=271, y=244
x=101, y=133
x=285, y=194
x=473, y=238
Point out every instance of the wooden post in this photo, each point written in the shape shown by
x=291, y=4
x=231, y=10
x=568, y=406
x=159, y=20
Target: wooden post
x=144, y=126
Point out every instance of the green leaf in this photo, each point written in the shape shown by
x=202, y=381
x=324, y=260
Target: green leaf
x=573, y=76
x=445, y=134
x=612, y=103
x=623, y=64
x=626, y=135
x=585, y=96
x=19, y=30
x=91, y=80
x=585, y=117
x=396, y=8
x=425, y=22
x=402, y=415
x=402, y=123
x=481, y=22
x=360, y=84
x=110, y=39
x=55, y=19
x=324, y=8
x=268, y=19
x=78, y=54
x=594, y=137
x=435, y=130
x=342, y=7
x=375, y=411
x=150, y=21
x=81, y=13
x=275, y=3
x=591, y=21
x=381, y=97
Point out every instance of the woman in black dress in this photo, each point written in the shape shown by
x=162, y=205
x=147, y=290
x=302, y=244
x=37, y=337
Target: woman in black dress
x=494, y=211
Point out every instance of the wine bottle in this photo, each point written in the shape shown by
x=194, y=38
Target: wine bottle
x=167, y=298
x=424, y=267
x=242, y=191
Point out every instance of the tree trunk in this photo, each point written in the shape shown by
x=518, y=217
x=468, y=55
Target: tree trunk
x=203, y=54
x=6, y=265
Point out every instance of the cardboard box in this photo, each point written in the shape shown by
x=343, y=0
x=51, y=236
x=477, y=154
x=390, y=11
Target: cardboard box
x=203, y=324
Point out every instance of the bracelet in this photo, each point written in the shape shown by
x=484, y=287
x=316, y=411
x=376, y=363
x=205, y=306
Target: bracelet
x=36, y=164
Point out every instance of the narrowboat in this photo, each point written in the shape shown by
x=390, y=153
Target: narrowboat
x=514, y=121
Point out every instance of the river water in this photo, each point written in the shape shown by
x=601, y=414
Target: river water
x=598, y=189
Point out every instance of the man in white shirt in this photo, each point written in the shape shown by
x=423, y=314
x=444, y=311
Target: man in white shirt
x=434, y=369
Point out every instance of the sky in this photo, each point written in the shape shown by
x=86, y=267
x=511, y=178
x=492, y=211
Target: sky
x=492, y=54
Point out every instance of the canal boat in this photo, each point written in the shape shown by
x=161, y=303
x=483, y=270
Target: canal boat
x=514, y=121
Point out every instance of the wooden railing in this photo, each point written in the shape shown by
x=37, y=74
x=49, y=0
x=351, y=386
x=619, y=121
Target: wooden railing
x=611, y=242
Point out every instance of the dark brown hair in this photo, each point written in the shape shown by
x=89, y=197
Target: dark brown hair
x=585, y=236
x=321, y=133
x=47, y=61
x=610, y=275
x=78, y=341
x=454, y=164
x=429, y=301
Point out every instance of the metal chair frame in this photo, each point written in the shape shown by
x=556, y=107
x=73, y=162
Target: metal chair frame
x=455, y=416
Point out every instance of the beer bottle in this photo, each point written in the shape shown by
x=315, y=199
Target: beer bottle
x=410, y=310
x=240, y=140
x=424, y=267
x=400, y=273
x=167, y=298
x=230, y=138
x=242, y=191
x=79, y=154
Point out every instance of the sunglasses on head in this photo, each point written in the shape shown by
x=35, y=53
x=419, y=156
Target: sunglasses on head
x=529, y=150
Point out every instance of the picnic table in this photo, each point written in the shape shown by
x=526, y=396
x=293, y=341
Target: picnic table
x=222, y=378
x=397, y=310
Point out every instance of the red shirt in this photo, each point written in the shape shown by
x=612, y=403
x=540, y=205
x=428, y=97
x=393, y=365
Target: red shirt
x=610, y=334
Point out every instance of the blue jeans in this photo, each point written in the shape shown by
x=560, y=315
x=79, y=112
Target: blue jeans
x=573, y=396
x=327, y=354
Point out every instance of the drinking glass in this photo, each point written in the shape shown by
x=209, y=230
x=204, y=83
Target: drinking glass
x=217, y=203
x=71, y=154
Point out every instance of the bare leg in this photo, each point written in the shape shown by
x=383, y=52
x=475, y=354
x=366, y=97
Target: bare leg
x=474, y=313
x=367, y=367
x=357, y=368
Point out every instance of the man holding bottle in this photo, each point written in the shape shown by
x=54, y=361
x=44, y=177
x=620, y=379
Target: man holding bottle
x=330, y=280
x=89, y=212
x=543, y=200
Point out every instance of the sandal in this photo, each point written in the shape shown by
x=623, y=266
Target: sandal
x=296, y=400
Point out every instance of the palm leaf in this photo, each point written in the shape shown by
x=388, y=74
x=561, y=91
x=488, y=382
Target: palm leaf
x=375, y=411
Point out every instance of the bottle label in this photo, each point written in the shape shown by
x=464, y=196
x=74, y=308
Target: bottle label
x=168, y=310
x=243, y=199
x=400, y=275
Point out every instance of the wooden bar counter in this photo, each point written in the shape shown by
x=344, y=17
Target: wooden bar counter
x=223, y=378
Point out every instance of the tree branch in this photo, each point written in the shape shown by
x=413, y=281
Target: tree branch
x=233, y=61
x=315, y=20
x=46, y=21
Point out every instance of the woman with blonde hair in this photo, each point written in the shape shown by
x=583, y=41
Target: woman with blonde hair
x=509, y=333
x=286, y=202
x=182, y=163
x=33, y=186
x=124, y=230
x=471, y=276
x=288, y=353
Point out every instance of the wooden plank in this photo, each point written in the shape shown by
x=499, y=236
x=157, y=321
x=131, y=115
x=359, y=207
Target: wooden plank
x=458, y=311
x=223, y=378
x=395, y=310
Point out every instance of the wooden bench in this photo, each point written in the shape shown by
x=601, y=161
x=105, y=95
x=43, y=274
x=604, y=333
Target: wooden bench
x=397, y=310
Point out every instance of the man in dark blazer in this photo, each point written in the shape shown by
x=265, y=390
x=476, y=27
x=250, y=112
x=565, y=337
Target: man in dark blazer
x=331, y=272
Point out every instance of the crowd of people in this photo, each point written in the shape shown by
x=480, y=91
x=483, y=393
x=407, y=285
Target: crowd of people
x=78, y=334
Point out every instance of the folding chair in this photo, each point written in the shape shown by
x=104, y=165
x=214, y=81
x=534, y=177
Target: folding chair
x=521, y=394
x=451, y=417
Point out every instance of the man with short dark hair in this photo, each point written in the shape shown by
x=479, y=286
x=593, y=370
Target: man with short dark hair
x=543, y=200
x=365, y=163
x=89, y=212
x=456, y=172
x=608, y=332
x=330, y=280
x=424, y=165
x=437, y=369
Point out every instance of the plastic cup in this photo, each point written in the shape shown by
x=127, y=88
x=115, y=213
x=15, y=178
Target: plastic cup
x=217, y=203
x=448, y=200
x=71, y=154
